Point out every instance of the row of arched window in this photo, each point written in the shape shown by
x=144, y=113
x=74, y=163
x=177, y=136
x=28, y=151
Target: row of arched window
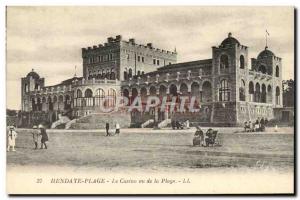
x=102, y=74
x=224, y=64
x=48, y=103
x=129, y=74
x=259, y=93
x=100, y=97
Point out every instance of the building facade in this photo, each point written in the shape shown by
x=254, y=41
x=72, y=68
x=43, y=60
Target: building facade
x=228, y=89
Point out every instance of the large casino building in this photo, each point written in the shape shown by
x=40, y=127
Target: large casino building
x=229, y=90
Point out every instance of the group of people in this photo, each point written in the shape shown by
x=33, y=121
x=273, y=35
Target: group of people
x=204, y=139
x=176, y=124
x=256, y=126
x=36, y=134
x=108, y=133
x=12, y=136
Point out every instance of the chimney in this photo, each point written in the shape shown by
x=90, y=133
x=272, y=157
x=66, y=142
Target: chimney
x=110, y=39
x=119, y=37
x=132, y=40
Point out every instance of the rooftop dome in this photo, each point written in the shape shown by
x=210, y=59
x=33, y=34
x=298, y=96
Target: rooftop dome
x=33, y=74
x=265, y=53
x=230, y=40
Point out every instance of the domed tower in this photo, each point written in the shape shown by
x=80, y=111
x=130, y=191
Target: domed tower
x=32, y=82
x=230, y=68
x=268, y=64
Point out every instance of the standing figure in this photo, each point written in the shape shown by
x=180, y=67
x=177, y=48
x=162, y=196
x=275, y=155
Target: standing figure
x=117, y=128
x=262, y=124
x=35, y=136
x=11, y=138
x=246, y=126
x=187, y=124
x=44, y=135
x=107, y=129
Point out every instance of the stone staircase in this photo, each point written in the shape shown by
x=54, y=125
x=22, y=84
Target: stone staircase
x=99, y=120
x=62, y=121
x=147, y=123
x=164, y=123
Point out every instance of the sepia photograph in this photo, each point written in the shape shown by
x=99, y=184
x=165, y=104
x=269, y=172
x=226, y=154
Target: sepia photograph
x=150, y=100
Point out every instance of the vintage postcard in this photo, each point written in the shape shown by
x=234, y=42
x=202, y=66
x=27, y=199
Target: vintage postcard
x=150, y=100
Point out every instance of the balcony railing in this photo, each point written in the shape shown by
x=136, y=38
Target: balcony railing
x=259, y=75
x=168, y=77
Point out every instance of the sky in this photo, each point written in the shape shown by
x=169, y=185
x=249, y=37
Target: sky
x=49, y=39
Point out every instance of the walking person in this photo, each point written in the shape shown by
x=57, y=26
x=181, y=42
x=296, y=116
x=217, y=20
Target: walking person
x=117, y=128
x=35, y=136
x=107, y=128
x=44, y=135
x=11, y=138
x=262, y=124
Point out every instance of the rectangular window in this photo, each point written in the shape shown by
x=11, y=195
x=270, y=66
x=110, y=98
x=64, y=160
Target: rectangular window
x=128, y=57
x=157, y=62
x=154, y=61
x=110, y=56
x=139, y=58
x=101, y=59
x=143, y=59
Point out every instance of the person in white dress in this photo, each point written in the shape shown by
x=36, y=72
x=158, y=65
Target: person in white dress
x=117, y=128
x=11, y=138
x=187, y=124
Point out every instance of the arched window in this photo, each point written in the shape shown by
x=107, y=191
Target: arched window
x=107, y=74
x=269, y=94
x=130, y=73
x=242, y=62
x=36, y=87
x=50, y=103
x=206, y=92
x=67, y=103
x=277, y=95
x=152, y=91
x=162, y=91
x=88, y=93
x=79, y=93
x=224, y=91
x=251, y=91
x=277, y=71
x=112, y=97
x=39, y=104
x=173, y=90
x=100, y=94
x=112, y=75
x=263, y=93
x=195, y=89
x=183, y=89
x=262, y=69
x=125, y=75
x=242, y=90
x=224, y=62
x=257, y=93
